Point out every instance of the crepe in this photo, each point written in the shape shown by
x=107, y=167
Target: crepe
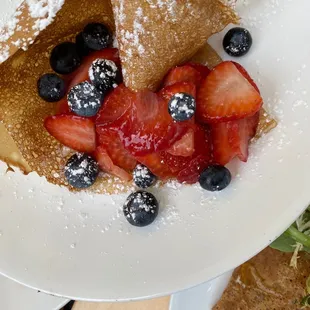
x=21, y=109
x=267, y=282
x=21, y=29
x=23, y=112
x=155, y=35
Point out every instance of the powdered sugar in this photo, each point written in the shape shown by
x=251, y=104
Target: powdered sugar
x=44, y=11
x=84, y=99
x=103, y=74
x=21, y=21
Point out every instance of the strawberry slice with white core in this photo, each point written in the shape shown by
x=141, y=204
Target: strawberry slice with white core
x=75, y=132
x=226, y=95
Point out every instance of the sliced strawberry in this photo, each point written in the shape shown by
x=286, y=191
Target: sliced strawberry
x=185, y=146
x=175, y=163
x=157, y=165
x=232, y=139
x=188, y=169
x=246, y=75
x=221, y=150
x=115, y=105
x=81, y=74
x=62, y=107
x=111, y=142
x=184, y=73
x=73, y=131
x=202, y=69
x=240, y=134
x=191, y=173
x=106, y=164
x=200, y=159
x=226, y=95
x=147, y=127
x=181, y=87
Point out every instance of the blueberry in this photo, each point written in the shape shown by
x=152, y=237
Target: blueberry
x=237, y=42
x=85, y=99
x=215, y=178
x=65, y=58
x=97, y=36
x=143, y=177
x=81, y=46
x=104, y=74
x=81, y=170
x=51, y=87
x=182, y=107
x=141, y=208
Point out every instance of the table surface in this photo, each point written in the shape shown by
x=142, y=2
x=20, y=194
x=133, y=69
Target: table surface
x=154, y=304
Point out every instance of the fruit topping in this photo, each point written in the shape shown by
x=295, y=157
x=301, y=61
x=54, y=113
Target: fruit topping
x=182, y=107
x=111, y=142
x=237, y=42
x=143, y=177
x=65, y=58
x=72, y=131
x=81, y=170
x=115, y=104
x=199, y=160
x=215, y=178
x=81, y=74
x=85, y=99
x=202, y=69
x=190, y=173
x=198, y=122
x=81, y=46
x=51, y=87
x=232, y=139
x=157, y=165
x=180, y=87
x=104, y=74
x=187, y=169
x=221, y=150
x=186, y=73
x=147, y=127
x=185, y=146
x=226, y=95
x=141, y=208
x=241, y=133
x=97, y=36
x=106, y=164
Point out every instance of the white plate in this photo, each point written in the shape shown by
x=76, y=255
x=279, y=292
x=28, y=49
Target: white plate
x=27, y=299
x=201, y=297
x=81, y=246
